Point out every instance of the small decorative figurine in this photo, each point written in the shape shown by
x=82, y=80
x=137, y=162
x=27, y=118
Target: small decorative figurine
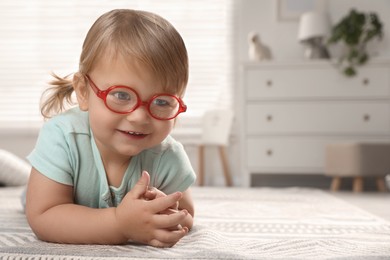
x=257, y=50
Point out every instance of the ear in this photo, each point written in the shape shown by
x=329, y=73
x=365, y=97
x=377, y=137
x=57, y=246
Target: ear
x=80, y=86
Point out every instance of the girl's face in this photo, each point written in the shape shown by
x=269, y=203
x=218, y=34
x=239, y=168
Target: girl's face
x=124, y=135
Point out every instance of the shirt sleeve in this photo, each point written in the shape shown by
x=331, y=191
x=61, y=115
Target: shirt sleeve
x=51, y=155
x=173, y=170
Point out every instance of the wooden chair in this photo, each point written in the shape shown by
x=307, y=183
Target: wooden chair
x=216, y=127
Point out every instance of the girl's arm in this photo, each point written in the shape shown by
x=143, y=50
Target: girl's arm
x=54, y=217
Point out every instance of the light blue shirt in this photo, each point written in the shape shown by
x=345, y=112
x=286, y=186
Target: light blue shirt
x=66, y=152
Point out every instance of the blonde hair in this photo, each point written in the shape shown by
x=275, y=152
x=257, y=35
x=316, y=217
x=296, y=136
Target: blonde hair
x=139, y=36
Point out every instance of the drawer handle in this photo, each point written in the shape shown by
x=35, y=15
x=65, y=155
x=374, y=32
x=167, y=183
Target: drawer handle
x=366, y=81
x=366, y=118
x=269, y=152
x=269, y=83
x=269, y=118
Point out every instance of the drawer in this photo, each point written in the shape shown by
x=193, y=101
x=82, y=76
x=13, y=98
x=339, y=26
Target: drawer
x=324, y=117
x=291, y=153
x=316, y=83
x=284, y=153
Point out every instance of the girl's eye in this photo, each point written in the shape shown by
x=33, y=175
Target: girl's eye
x=161, y=102
x=121, y=95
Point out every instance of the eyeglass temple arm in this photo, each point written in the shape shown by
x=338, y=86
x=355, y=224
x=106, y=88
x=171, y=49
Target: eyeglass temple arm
x=95, y=89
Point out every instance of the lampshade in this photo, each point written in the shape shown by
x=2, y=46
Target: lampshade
x=313, y=24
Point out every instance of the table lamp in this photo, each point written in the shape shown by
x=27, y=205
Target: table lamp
x=313, y=28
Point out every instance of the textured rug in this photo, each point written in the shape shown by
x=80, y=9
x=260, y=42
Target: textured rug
x=230, y=223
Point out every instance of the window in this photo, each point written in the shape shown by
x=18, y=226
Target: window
x=40, y=36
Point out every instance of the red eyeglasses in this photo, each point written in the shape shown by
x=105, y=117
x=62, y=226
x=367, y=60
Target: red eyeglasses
x=124, y=100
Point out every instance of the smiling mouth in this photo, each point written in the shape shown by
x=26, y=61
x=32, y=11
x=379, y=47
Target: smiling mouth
x=135, y=134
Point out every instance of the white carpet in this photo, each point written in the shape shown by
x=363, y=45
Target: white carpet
x=230, y=224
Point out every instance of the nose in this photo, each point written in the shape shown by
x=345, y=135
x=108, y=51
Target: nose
x=141, y=113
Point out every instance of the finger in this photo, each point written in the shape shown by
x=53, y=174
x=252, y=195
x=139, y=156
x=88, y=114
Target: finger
x=157, y=243
x=177, y=227
x=166, y=238
x=150, y=194
x=166, y=221
x=168, y=211
x=141, y=186
x=162, y=203
x=176, y=206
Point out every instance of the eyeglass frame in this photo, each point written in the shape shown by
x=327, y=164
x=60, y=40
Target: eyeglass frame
x=102, y=94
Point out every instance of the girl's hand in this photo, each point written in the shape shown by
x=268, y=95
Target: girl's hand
x=141, y=220
x=154, y=193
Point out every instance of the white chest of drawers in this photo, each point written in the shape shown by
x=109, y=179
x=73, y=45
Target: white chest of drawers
x=289, y=111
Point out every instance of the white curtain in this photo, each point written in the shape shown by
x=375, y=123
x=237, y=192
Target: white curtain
x=40, y=36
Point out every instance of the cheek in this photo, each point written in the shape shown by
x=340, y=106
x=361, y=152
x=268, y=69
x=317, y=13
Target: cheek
x=99, y=116
x=164, y=128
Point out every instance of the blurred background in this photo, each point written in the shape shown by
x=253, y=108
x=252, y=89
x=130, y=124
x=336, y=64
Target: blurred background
x=41, y=36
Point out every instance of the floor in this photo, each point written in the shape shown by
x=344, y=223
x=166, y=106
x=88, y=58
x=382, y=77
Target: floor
x=377, y=203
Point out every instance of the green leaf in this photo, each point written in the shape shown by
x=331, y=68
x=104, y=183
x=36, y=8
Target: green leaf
x=350, y=71
x=363, y=59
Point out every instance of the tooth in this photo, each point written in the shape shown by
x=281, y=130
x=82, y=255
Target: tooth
x=134, y=133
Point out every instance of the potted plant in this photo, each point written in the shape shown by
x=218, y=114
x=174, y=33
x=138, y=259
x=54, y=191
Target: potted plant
x=355, y=30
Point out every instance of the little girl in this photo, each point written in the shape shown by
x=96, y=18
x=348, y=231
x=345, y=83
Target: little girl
x=107, y=171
